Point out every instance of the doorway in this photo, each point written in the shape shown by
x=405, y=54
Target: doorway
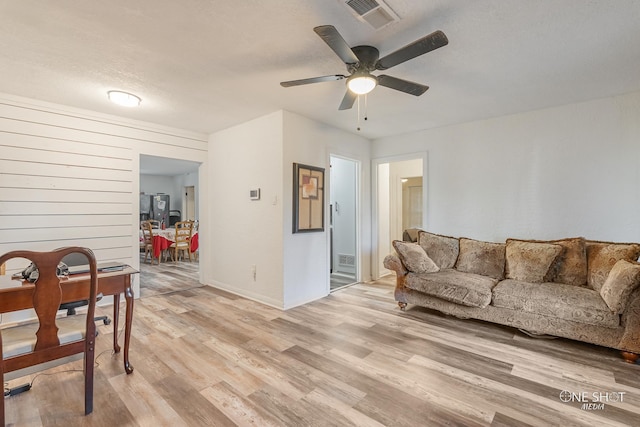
x=399, y=205
x=343, y=216
x=178, y=183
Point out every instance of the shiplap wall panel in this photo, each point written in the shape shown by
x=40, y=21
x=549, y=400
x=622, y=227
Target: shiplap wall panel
x=88, y=195
x=27, y=235
x=35, y=220
x=96, y=244
x=58, y=136
x=35, y=155
x=99, y=126
x=61, y=208
x=26, y=167
x=70, y=177
x=57, y=183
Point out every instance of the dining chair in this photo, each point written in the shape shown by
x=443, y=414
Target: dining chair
x=50, y=338
x=147, y=240
x=182, y=241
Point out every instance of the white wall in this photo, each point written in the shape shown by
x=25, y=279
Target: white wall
x=71, y=177
x=245, y=233
x=560, y=172
x=290, y=269
x=306, y=255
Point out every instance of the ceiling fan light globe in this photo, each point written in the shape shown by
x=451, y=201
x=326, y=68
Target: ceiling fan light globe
x=361, y=85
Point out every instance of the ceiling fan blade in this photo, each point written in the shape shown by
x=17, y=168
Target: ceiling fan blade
x=312, y=80
x=348, y=100
x=426, y=44
x=332, y=37
x=402, y=85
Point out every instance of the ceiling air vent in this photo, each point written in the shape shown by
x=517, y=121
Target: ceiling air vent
x=375, y=12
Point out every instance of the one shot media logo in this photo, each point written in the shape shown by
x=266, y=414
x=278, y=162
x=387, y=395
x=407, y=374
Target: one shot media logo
x=592, y=401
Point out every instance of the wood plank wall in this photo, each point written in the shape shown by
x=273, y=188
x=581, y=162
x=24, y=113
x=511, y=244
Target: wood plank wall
x=71, y=177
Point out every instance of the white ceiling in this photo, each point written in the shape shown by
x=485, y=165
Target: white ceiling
x=207, y=65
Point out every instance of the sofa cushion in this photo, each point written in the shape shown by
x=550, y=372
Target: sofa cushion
x=571, y=265
x=467, y=289
x=443, y=250
x=622, y=280
x=559, y=300
x=530, y=261
x=414, y=258
x=602, y=256
x=484, y=258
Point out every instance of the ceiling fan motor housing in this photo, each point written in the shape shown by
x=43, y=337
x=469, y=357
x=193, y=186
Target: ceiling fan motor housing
x=367, y=56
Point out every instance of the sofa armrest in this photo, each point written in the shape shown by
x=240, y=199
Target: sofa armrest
x=392, y=262
x=630, y=320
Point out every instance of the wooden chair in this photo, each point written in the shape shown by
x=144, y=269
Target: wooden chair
x=147, y=243
x=23, y=346
x=182, y=243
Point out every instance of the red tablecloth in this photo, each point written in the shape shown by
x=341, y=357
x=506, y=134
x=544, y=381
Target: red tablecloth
x=163, y=239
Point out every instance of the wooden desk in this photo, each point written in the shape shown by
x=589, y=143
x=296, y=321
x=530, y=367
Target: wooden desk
x=18, y=295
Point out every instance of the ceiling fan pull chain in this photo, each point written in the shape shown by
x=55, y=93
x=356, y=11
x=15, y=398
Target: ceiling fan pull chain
x=358, y=112
x=366, y=107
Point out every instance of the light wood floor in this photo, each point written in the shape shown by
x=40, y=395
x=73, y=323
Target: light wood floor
x=204, y=357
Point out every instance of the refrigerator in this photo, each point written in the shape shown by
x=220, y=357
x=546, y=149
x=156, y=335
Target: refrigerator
x=145, y=207
x=160, y=208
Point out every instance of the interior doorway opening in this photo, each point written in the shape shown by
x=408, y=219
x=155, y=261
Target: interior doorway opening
x=175, y=183
x=343, y=222
x=400, y=204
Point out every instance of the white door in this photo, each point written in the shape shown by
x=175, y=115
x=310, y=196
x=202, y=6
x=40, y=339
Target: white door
x=343, y=219
x=190, y=203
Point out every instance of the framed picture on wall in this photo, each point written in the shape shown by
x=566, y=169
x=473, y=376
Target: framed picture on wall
x=308, y=198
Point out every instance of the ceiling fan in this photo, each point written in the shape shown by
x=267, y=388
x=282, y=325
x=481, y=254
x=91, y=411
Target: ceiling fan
x=362, y=60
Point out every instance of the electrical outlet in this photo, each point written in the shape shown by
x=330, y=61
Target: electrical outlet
x=253, y=271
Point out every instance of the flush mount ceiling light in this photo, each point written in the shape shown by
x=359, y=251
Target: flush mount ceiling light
x=361, y=84
x=123, y=98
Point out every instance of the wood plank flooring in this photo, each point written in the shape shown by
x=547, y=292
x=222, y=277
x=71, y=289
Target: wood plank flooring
x=204, y=357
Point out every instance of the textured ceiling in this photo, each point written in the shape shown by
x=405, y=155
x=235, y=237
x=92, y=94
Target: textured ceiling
x=207, y=65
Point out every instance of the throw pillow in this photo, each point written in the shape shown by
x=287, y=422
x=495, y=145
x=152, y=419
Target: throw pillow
x=414, y=258
x=571, y=265
x=484, y=258
x=529, y=261
x=602, y=256
x=443, y=250
x=622, y=280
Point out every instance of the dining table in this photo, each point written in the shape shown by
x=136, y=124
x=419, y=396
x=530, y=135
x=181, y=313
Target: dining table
x=164, y=238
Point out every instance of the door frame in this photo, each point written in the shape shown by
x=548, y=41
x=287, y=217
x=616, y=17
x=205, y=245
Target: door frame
x=376, y=271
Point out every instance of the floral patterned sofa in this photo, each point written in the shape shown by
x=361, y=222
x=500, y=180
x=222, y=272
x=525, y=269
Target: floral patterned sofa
x=573, y=288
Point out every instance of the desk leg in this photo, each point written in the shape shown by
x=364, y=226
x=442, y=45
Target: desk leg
x=116, y=316
x=128, y=295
